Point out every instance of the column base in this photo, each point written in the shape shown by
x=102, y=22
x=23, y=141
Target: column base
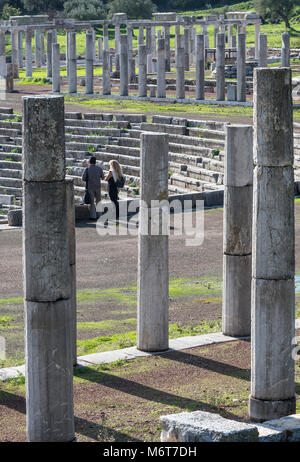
x=260, y=410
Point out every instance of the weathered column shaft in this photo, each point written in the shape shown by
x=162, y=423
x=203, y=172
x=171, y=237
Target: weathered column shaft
x=20, y=49
x=220, y=67
x=180, y=87
x=153, y=273
x=47, y=287
x=263, y=51
x=273, y=246
x=117, y=47
x=55, y=68
x=237, y=226
x=89, y=63
x=285, y=50
x=200, y=67
x=167, y=48
x=142, y=61
x=49, y=52
x=257, y=34
x=2, y=55
x=106, y=84
x=14, y=53
x=241, y=68
x=38, y=57
x=72, y=58
x=161, y=68
x=105, y=37
x=124, y=65
x=28, y=53
x=186, y=49
x=100, y=47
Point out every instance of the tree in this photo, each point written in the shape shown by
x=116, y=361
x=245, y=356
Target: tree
x=277, y=8
x=40, y=6
x=9, y=11
x=85, y=9
x=135, y=9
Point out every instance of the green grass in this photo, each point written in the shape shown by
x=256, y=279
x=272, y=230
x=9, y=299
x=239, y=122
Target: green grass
x=128, y=339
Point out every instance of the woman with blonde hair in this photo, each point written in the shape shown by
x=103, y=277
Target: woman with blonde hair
x=115, y=180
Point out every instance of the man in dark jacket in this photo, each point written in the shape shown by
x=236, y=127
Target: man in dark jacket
x=93, y=175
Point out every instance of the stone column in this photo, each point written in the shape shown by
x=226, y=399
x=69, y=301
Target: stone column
x=216, y=31
x=230, y=34
x=37, y=39
x=241, y=68
x=72, y=261
x=49, y=53
x=180, y=60
x=43, y=55
x=105, y=37
x=237, y=226
x=200, y=67
x=142, y=61
x=89, y=63
x=20, y=49
x=124, y=65
x=153, y=271
x=47, y=285
x=186, y=49
x=54, y=36
x=168, y=49
x=273, y=247
x=141, y=36
x=68, y=52
x=14, y=53
x=220, y=67
x=100, y=54
x=94, y=44
x=55, y=68
x=117, y=47
x=153, y=44
x=161, y=68
x=28, y=53
x=106, y=84
x=285, y=50
x=72, y=63
x=257, y=34
x=2, y=55
x=263, y=51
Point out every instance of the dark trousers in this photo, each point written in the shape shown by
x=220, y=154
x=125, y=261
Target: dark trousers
x=113, y=195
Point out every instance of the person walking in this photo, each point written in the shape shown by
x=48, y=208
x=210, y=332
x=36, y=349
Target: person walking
x=115, y=180
x=92, y=177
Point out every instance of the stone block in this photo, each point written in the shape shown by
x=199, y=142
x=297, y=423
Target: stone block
x=289, y=425
x=14, y=217
x=200, y=426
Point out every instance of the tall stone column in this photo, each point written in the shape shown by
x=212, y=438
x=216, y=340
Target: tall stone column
x=241, y=68
x=72, y=63
x=161, y=68
x=273, y=246
x=168, y=49
x=72, y=261
x=141, y=36
x=106, y=84
x=124, y=65
x=117, y=47
x=153, y=44
x=186, y=49
x=68, y=52
x=153, y=271
x=180, y=61
x=142, y=61
x=263, y=51
x=220, y=67
x=100, y=48
x=55, y=68
x=43, y=54
x=257, y=34
x=54, y=36
x=49, y=52
x=230, y=34
x=89, y=63
x=47, y=285
x=2, y=55
x=37, y=39
x=28, y=53
x=105, y=37
x=237, y=225
x=20, y=49
x=14, y=53
x=216, y=31
x=200, y=67
x=285, y=50
x=94, y=44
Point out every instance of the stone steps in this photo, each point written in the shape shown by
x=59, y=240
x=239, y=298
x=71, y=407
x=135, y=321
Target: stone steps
x=84, y=123
x=88, y=140
x=87, y=131
x=10, y=173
